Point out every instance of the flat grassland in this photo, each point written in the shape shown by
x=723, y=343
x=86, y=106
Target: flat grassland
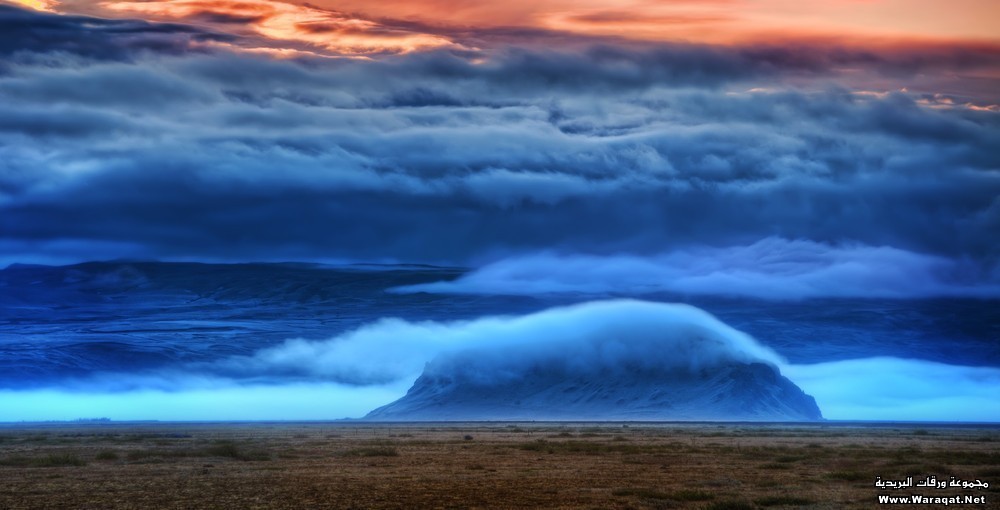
x=485, y=465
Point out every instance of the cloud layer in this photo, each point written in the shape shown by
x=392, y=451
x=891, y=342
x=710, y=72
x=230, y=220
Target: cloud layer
x=896, y=389
x=141, y=136
x=589, y=337
x=773, y=268
x=355, y=372
x=717, y=21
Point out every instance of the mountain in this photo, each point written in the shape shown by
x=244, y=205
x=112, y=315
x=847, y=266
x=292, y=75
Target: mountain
x=733, y=392
x=605, y=360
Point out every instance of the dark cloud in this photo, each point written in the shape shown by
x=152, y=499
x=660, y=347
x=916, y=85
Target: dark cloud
x=224, y=18
x=441, y=157
x=35, y=32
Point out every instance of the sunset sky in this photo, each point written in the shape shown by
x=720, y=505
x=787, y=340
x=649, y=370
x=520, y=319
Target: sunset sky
x=472, y=132
x=699, y=21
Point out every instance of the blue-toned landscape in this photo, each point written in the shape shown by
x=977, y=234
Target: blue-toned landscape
x=693, y=254
x=187, y=341
x=276, y=210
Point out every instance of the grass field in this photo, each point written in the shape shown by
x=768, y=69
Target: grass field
x=518, y=465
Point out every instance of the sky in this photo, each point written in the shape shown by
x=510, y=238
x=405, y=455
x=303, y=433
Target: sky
x=471, y=132
x=771, y=149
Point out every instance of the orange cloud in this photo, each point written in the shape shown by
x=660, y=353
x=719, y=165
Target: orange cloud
x=742, y=21
x=705, y=21
x=38, y=5
x=325, y=29
x=369, y=28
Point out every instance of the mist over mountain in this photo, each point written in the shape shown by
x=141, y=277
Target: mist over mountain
x=606, y=360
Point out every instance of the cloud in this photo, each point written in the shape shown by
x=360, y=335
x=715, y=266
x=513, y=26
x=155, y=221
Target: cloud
x=357, y=371
x=27, y=32
x=723, y=21
x=229, y=403
x=772, y=268
x=464, y=158
x=586, y=338
x=896, y=389
x=278, y=22
x=383, y=358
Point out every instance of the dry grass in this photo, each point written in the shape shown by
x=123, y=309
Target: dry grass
x=521, y=465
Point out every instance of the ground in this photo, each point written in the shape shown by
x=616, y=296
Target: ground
x=486, y=465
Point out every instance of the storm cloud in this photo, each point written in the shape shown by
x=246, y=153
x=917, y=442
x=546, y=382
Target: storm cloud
x=118, y=146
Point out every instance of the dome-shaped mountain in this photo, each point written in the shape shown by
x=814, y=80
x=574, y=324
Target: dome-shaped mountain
x=734, y=392
x=615, y=360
